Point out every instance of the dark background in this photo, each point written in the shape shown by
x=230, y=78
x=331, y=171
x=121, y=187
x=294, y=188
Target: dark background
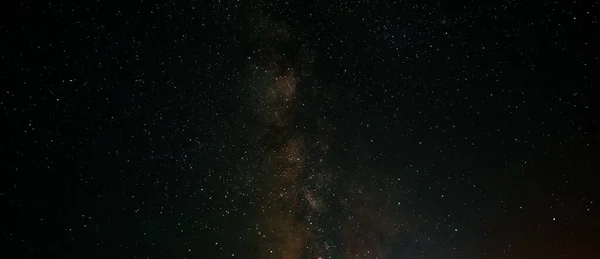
x=124, y=123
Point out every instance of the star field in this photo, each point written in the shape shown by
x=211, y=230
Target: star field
x=293, y=130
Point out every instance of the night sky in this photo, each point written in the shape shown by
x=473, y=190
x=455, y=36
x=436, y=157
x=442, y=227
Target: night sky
x=301, y=129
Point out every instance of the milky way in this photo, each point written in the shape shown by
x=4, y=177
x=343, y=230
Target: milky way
x=301, y=213
x=284, y=232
